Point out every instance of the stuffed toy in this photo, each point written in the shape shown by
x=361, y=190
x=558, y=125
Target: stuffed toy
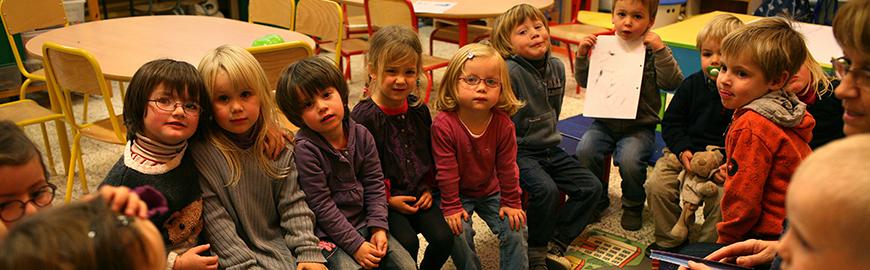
x=698, y=184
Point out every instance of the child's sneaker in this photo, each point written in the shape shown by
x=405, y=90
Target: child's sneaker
x=632, y=218
x=556, y=257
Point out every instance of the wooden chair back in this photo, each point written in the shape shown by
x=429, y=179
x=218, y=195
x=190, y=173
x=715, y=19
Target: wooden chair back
x=20, y=16
x=389, y=12
x=273, y=12
x=274, y=58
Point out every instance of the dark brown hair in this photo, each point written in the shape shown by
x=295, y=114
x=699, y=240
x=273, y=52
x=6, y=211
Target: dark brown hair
x=15, y=148
x=179, y=78
x=81, y=235
x=303, y=80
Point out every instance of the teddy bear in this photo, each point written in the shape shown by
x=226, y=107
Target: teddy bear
x=697, y=185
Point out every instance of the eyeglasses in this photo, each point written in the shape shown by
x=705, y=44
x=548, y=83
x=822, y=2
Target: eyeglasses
x=843, y=66
x=474, y=80
x=168, y=105
x=13, y=210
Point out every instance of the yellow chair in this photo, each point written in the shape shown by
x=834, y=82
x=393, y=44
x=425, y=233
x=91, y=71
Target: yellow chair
x=26, y=112
x=274, y=58
x=272, y=12
x=76, y=70
x=324, y=20
x=401, y=12
x=27, y=15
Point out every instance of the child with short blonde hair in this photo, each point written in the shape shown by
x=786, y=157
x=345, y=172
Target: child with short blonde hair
x=694, y=120
x=339, y=170
x=769, y=134
x=400, y=124
x=474, y=144
x=255, y=213
x=631, y=141
x=522, y=37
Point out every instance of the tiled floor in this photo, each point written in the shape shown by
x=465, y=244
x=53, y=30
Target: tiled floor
x=99, y=157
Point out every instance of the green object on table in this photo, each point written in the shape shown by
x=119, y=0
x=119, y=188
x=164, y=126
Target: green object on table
x=269, y=39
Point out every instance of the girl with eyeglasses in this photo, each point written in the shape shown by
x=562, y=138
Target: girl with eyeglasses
x=475, y=149
x=165, y=103
x=24, y=186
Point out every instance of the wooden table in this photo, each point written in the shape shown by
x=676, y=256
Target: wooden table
x=123, y=45
x=469, y=10
x=820, y=38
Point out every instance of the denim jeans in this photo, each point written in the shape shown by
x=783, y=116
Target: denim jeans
x=512, y=244
x=543, y=175
x=397, y=257
x=633, y=151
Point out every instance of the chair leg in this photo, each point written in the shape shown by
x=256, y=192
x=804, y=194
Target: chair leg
x=123, y=92
x=347, y=69
x=85, y=99
x=83, y=177
x=429, y=84
x=570, y=57
x=71, y=172
x=431, y=41
x=48, y=154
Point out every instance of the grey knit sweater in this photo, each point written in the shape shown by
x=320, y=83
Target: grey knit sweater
x=259, y=223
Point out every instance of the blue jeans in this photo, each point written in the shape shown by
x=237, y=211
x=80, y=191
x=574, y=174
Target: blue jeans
x=633, y=151
x=397, y=257
x=546, y=173
x=512, y=244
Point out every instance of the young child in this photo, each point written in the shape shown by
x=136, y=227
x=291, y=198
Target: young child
x=694, y=120
x=474, y=144
x=83, y=235
x=165, y=103
x=851, y=32
x=769, y=134
x=339, y=169
x=631, y=141
x=521, y=36
x=255, y=214
x=24, y=182
x=813, y=87
x=400, y=124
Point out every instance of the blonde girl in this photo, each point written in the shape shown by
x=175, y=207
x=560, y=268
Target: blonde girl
x=400, y=124
x=813, y=86
x=255, y=214
x=475, y=149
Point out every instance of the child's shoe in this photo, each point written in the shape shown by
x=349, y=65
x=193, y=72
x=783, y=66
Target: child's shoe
x=556, y=257
x=632, y=218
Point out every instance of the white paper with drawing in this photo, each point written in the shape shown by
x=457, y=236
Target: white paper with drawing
x=615, y=73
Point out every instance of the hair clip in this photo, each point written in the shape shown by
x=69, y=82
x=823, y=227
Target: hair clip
x=123, y=220
x=470, y=55
x=91, y=234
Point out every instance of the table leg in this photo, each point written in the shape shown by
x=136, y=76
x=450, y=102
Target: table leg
x=463, y=32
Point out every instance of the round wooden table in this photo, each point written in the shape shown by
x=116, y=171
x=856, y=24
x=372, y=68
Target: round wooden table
x=469, y=10
x=123, y=45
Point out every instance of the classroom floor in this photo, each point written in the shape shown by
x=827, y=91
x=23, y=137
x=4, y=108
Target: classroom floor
x=99, y=157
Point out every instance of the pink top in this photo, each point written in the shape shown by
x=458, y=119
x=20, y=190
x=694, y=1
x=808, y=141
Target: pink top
x=475, y=167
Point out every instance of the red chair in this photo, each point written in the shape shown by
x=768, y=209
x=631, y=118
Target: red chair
x=571, y=33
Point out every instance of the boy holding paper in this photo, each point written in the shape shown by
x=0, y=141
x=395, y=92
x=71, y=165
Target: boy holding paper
x=633, y=139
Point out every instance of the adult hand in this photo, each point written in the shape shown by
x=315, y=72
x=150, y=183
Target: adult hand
x=455, y=221
x=748, y=253
x=403, y=204
x=695, y=266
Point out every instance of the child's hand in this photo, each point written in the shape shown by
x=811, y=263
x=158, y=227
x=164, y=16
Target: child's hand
x=379, y=239
x=455, y=221
x=275, y=141
x=516, y=217
x=365, y=255
x=122, y=200
x=585, y=44
x=654, y=41
x=192, y=260
x=721, y=173
x=425, y=200
x=310, y=266
x=686, y=159
x=402, y=204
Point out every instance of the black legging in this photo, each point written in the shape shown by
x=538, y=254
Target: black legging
x=431, y=224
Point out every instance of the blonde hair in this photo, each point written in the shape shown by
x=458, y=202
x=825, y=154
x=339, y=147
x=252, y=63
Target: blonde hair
x=243, y=71
x=771, y=43
x=652, y=6
x=719, y=27
x=851, y=26
x=819, y=81
x=505, y=24
x=448, y=90
x=394, y=44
